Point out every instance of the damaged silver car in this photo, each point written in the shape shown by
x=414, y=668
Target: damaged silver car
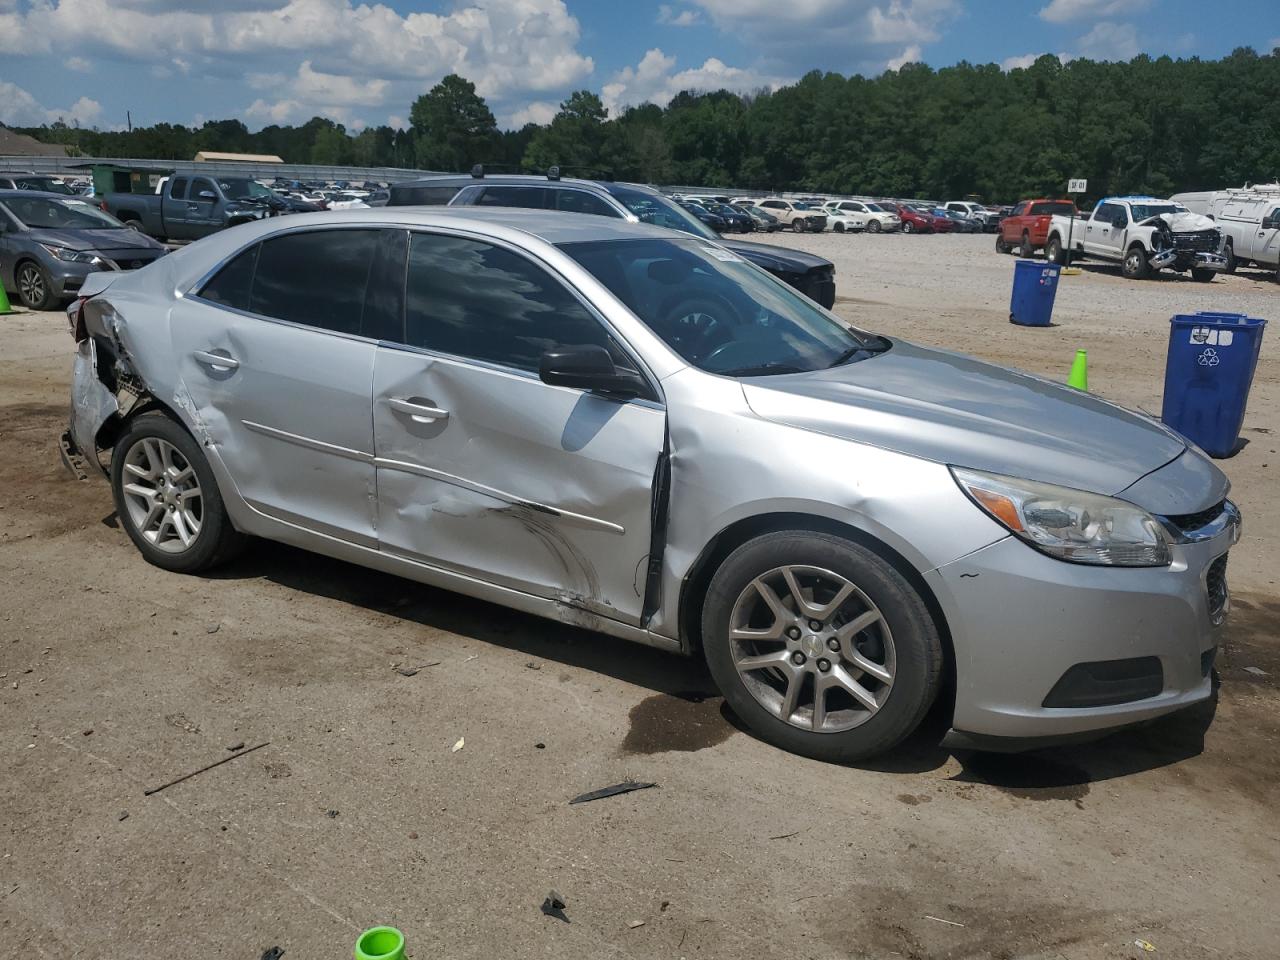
x=636, y=431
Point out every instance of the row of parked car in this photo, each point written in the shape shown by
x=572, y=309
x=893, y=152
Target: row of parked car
x=817, y=214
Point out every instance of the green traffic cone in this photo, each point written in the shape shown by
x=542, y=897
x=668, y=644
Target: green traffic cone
x=1079, y=378
x=380, y=943
x=4, y=301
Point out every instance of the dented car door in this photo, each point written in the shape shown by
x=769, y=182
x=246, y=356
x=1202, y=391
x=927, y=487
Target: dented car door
x=484, y=469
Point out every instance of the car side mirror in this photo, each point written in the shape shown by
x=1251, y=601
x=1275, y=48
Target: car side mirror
x=588, y=367
x=208, y=195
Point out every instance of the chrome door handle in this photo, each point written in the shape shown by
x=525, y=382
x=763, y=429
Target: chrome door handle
x=219, y=361
x=419, y=412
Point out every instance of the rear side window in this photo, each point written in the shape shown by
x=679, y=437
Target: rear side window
x=532, y=197
x=578, y=201
x=412, y=195
x=1061, y=209
x=230, y=285
x=481, y=302
x=316, y=278
x=178, y=188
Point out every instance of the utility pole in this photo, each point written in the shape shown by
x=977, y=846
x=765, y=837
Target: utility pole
x=128, y=119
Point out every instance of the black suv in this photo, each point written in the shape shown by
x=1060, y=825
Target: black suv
x=811, y=275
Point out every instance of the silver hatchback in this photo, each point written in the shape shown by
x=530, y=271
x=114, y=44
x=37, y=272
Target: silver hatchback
x=636, y=431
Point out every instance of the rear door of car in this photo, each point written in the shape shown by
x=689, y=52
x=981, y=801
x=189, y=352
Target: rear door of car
x=485, y=470
x=174, y=216
x=276, y=353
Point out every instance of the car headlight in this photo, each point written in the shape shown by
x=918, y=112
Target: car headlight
x=1069, y=524
x=72, y=256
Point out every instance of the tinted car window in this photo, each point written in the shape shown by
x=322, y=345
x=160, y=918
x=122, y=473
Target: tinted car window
x=1019, y=210
x=413, y=195
x=316, y=278
x=475, y=300
x=576, y=201
x=200, y=186
x=178, y=188
x=1106, y=212
x=1051, y=209
x=534, y=197
x=230, y=285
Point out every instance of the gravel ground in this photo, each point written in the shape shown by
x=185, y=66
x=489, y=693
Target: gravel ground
x=116, y=677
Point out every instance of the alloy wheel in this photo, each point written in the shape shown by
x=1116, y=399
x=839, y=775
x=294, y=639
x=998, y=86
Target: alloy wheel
x=162, y=494
x=812, y=648
x=31, y=285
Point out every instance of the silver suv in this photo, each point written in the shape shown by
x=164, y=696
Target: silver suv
x=633, y=430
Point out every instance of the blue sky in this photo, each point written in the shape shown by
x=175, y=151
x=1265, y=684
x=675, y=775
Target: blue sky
x=283, y=61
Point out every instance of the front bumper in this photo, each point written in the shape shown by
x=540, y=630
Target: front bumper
x=1020, y=620
x=1188, y=260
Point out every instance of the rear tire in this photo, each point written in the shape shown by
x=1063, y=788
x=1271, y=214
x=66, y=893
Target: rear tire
x=1053, y=253
x=167, y=498
x=875, y=683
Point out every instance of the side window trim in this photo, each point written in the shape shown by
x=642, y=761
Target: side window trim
x=656, y=396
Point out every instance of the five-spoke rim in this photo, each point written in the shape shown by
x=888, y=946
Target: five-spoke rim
x=162, y=495
x=812, y=648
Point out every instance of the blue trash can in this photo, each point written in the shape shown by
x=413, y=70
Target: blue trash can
x=1207, y=377
x=1035, y=284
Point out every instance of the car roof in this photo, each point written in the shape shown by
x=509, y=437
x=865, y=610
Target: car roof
x=6, y=194
x=523, y=180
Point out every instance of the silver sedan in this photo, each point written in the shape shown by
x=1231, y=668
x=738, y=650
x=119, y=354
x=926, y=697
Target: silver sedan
x=635, y=431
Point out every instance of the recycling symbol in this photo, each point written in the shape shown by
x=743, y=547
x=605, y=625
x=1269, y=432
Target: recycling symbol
x=1209, y=358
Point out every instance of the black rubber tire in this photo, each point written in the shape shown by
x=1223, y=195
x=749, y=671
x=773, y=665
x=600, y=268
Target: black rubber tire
x=45, y=299
x=1001, y=246
x=873, y=225
x=838, y=228
x=1025, y=249
x=908, y=227
x=1203, y=276
x=917, y=646
x=798, y=225
x=1135, y=267
x=217, y=541
x=1054, y=253
x=1229, y=251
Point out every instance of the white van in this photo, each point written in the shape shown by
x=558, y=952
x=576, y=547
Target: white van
x=1250, y=222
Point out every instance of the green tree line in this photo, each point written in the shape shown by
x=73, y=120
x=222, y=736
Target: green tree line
x=1147, y=125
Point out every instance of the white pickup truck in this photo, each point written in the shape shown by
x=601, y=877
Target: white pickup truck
x=1249, y=218
x=1142, y=234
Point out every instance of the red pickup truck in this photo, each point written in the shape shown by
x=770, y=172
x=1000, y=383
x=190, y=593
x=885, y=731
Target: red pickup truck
x=1027, y=227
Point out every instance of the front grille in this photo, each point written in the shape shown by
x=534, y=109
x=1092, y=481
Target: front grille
x=1191, y=522
x=1202, y=241
x=1216, y=587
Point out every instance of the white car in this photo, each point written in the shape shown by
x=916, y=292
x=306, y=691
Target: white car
x=874, y=218
x=840, y=222
x=796, y=214
x=1249, y=218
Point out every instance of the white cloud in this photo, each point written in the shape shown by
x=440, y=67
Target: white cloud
x=1275, y=42
x=910, y=55
x=655, y=80
x=669, y=16
x=1019, y=63
x=1109, y=41
x=78, y=64
x=18, y=108
x=397, y=121
x=539, y=111
x=508, y=48
x=1064, y=11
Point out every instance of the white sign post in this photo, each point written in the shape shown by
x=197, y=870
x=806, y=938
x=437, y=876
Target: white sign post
x=1073, y=187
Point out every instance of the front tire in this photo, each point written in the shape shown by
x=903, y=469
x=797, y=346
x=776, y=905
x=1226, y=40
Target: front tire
x=1135, y=265
x=873, y=226
x=1201, y=275
x=34, y=289
x=820, y=646
x=167, y=498
x=1229, y=251
x=1025, y=249
x=908, y=227
x=1001, y=246
x=838, y=228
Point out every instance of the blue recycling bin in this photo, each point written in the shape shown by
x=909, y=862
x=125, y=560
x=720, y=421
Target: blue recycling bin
x=1035, y=284
x=1207, y=377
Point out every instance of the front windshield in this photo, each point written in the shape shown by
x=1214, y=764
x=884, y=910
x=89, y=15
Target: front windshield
x=799, y=205
x=661, y=212
x=1142, y=211
x=47, y=184
x=719, y=312
x=874, y=207
x=244, y=189
x=60, y=214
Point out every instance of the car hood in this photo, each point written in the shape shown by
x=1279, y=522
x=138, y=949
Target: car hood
x=1183, y=222
x=957, y=410
x=119, y=238
x=776, y=258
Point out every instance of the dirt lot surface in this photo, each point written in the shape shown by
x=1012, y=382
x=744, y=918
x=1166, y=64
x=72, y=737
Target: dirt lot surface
x=116, y=677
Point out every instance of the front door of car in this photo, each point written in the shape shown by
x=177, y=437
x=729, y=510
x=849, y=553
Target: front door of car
x=1098, y=233
x=277, y=368
x=485, y=470
x=1266, y=239
x=202, y=201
